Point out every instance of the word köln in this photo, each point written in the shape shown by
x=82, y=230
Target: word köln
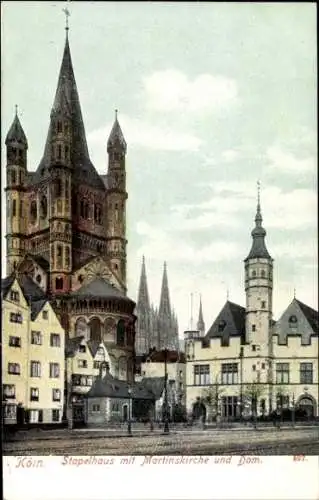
x=150, y=460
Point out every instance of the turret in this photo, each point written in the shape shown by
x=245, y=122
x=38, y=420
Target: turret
x=258, y=285
x=17, y=146
x=116, y=201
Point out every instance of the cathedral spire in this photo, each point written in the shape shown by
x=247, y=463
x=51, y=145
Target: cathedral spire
x=258, y=249
x=143, y=339
x=165, y=305
x=200, y=322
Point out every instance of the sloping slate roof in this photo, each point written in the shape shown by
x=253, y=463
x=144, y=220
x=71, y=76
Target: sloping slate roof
x=99, y=287
x=110, y=387
x=36, y=307
x=30, y=289
x=41, y=261
x=116, y=136
x=234, y=317
x=16, y=132
x=6, y=284
x=72, y=345
x=310, y=314
x=258, y=249
x=93, y=345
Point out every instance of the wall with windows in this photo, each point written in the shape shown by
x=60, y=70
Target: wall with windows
x=33, y=360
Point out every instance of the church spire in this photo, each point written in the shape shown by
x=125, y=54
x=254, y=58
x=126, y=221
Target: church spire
x=143, y=312
x=16, y=132
x=258, y=249
x=165, y=305
x=116, y=139
x=200, y=322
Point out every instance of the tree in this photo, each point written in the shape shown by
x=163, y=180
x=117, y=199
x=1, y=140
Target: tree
x=253, y=392
x=211, y=397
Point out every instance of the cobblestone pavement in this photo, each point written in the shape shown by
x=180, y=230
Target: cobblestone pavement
x=285, y=441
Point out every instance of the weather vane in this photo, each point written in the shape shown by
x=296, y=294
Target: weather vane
x=67, y=15
x=258, y=192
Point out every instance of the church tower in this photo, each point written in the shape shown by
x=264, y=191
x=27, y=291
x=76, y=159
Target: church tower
x=166, y=331
x=17, y=145
x=200, y=322
x=143, y=313
x=259, y=288
x=116, y=201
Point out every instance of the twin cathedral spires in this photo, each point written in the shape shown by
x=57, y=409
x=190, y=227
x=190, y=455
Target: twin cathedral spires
x=156, y=328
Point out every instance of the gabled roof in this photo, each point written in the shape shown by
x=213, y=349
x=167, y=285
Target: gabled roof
x=36, y=308
x=310, y=314
x=6, y=284
x=111, y=387
x=93, y=345
x=99, y=288
x=230, y=322
x=30, y=290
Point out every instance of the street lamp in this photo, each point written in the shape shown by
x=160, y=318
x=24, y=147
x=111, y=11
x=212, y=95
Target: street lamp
x=293, y=410
x=166, y=428
x=129, y=427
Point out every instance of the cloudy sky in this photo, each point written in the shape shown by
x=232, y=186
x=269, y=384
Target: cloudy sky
x=211, y=98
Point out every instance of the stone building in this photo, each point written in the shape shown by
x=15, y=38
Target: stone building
x=247, y=363
x=66, y=224
x=155, y=328
x=32, y=355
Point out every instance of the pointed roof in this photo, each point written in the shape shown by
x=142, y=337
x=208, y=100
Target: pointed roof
x=67, y=104
x=200, y=322
x=143, y=300
x=310, y=314
x=16, y=132
x=258, y=249
x=116, y=138
x=165, y=305
x=230, y=322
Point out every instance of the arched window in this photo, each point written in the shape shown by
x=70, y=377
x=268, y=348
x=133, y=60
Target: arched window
x=263, y=273
x=59, y=151
x=221, y=326
x=13, y=177
x=58, y=187
x=95, y=329
x=43, y=207
x=59, y=127
x=66, y=152
x=81, y=328
x=293, y=321
x=33, y=211
x=122, y=368
x=82, y=208
x=59, y=256
x=120, y=333
x=67, y=256
x=14, y=208
x=86, y=210
x=254, y=274
x=59, y=283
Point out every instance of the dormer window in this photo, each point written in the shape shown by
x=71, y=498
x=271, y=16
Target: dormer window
x=293, y=321
x=221, y=326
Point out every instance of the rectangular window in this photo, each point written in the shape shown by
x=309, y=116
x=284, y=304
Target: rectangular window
x=35, y=369
x=82, y=348
x=14, y=341
x=263, y=304
x=9, y=391
x=229, y=373
x=36, y=338
x=254, y=368
x=14, y=368
x=282, y=373
x=56, y=395
x=253, y=328
x=45, y=314
x=55, y=415
x=96, y=365
x=282, y=400
x=55, y=340
x=14, y=296
x=95, y=408
x=253, y=348
x=82, y=363
x=34, y=394
x=16, y=317
x=115, y=407
x=201, y=375
x=14, y=208
x=54, y=370
x=10, y=411
x=33, y=416
x=306, y=373
x=84, y=380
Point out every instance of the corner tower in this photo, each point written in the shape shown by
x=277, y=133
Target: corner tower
x=116, y=201
x=17, y=146
x=258, y=287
